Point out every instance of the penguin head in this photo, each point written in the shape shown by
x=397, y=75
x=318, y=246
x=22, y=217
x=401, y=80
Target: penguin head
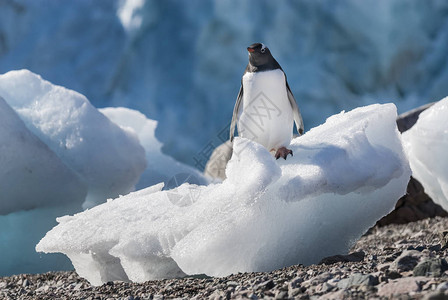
x=259, y=54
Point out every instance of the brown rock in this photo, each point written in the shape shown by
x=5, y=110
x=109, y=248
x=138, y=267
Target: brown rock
x=401, y=286
x=341, y=294
x=352, y=257
x=216, y=166
x=406, y=120
x=406, y=261
x=415, y=205
x=437, y=295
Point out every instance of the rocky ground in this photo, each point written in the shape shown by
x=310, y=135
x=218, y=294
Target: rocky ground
x=392, y=262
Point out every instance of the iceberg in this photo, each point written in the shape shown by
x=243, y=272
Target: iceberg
x=426, y=144
x=344, y=176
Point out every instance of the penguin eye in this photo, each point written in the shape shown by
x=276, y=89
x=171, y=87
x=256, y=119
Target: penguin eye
x=263, y=50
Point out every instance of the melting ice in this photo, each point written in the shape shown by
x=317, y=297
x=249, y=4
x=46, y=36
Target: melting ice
x=344, y=176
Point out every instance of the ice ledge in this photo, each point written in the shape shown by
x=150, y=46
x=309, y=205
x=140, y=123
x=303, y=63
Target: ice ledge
x=344, y=176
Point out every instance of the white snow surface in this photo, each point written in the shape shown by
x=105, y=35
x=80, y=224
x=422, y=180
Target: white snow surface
x=106, y=158
x=426, y=144
x=267, y=214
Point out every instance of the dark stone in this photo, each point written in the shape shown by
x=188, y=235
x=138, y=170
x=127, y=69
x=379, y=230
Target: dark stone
x=267, y=285
x=326, y=287
x=443, y=236
x=418, y=248
x=352, y=257
x=437, y=295
x=393, y=256
x=435, y=248
x=373, y=257
x=358, y=279
x=406, y=120
x=199, y=276
x=393, y=275
x=416, y=204
x=281, y=295
x=432, y=267
x=407, y=261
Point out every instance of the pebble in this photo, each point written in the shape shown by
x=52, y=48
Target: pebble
x=357, y=279
x=394, y=258
x=401, y=286
x=407, y=260
x=267, y=285
x=352, y=257
x=232, y=283
x=431, y=267
x=442, y=286
x=436, y=296
x=25, y=283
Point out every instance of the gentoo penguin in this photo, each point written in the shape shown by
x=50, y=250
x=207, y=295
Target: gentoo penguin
x=265, y=108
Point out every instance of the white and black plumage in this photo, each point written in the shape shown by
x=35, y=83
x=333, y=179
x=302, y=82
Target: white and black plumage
x=265, y=108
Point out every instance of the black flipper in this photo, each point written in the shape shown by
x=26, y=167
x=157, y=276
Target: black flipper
x=239, y=101
x=295, y=110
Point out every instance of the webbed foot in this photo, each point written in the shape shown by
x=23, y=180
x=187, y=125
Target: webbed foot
x=283, y=152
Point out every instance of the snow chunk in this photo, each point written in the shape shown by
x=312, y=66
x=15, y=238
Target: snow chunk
x=344, y=176
x=426, y=144
x=31, y=175
x=108, y=159
x=160, y=167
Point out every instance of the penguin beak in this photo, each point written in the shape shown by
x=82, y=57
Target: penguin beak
x=250, y=50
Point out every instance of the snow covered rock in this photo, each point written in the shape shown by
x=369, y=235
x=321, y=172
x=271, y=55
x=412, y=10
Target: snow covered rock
x=267, y=214
x=426, y=144
x=108, y=159
x=160, y=167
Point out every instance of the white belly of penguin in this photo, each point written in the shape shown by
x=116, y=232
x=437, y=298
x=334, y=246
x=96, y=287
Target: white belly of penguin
x=266, y=114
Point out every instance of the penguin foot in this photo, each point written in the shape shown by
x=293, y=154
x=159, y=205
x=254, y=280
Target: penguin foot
x=283, y=152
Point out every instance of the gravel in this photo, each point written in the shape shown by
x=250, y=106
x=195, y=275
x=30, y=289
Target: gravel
x=407, y=261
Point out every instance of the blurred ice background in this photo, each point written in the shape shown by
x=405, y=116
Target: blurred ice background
x=180, y=62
